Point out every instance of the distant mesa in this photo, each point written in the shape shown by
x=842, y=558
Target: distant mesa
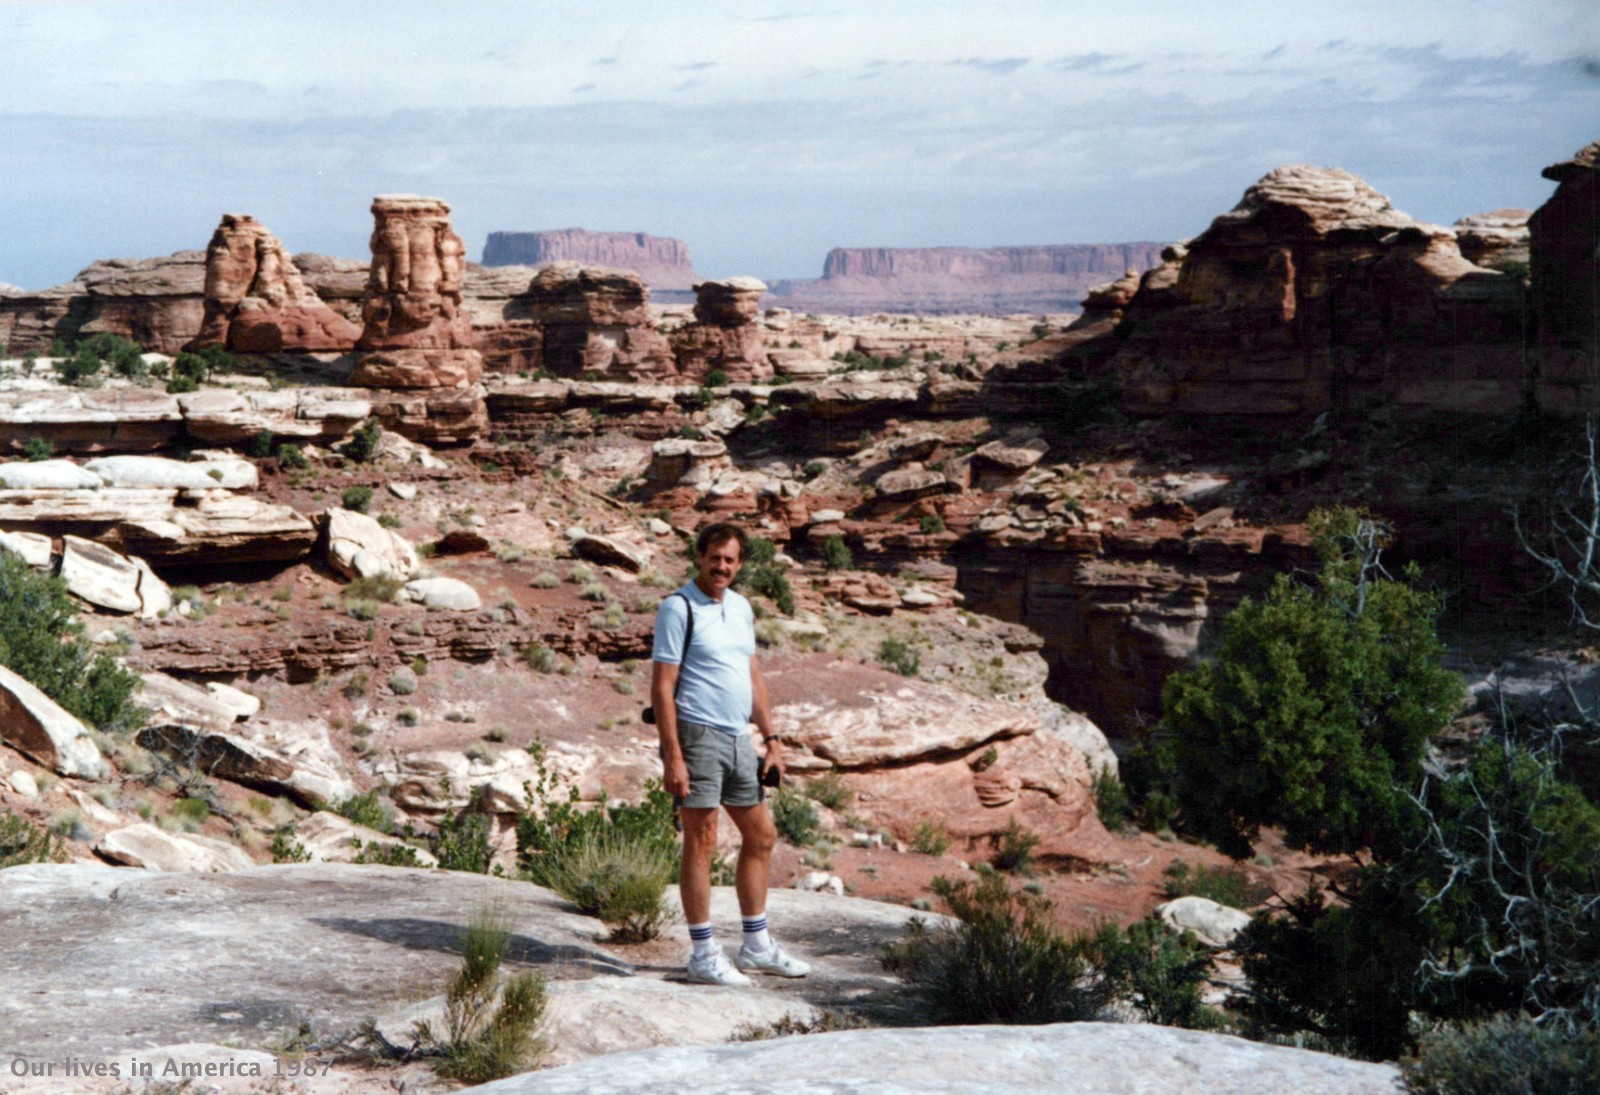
x=948, y=280
x=663, y=263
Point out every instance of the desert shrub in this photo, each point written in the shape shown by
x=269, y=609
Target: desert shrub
x=261, y=445
x=356, y=685
x=1111, y=800
x=826, y=1022
x=286, y=848
x=929, y=837
x=366, y=443
x=460, y=842
x=620, y=880
x=38, y=448
x=716, y=378
x=402, y=682
x=580, y=574
x=836, y=555
x=1315, y=710
x=377, y=587
x=896, y=654
x=356, y=498
x=1504, y=1055
x=42, y=640
x=380, y=854
x=1159, y=972
x=794, y=816
x=191, y=809
x=1013, y=848
x=1225, y=885
x=595, y=591
x=22, y=842
x=368, y=809
x=930, y=524
x=761, y=574
x=1003, y=961
x=540, y=658
x=545, y=580
x=481, y=1039
x=290, y=456
x=829, y=790
x=813, y=468
x=556, y=826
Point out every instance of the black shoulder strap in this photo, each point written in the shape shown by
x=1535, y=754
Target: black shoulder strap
x=688, y=637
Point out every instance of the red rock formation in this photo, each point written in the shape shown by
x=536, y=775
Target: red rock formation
x=1495, y=239
x=417, y=332
x=663, y=264
x=595, y=321
x=725, y=335
x=934, y=280
x=256, y=300
x=157, y=303
x=1309, y=293
x=1565, y=241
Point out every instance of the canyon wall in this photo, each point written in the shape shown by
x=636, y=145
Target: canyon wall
x=947, y=280
x=663, y=263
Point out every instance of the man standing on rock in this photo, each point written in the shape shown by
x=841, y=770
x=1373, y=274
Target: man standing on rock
x=705, y=689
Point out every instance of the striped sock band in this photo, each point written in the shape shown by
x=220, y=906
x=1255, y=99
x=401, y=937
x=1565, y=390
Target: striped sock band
x=700, y=936
x=755, y=933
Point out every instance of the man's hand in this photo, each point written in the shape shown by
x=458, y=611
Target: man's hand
x=775, y=757
x=675, y=777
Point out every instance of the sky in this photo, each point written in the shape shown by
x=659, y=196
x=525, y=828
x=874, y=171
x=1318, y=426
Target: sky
x=762, y=133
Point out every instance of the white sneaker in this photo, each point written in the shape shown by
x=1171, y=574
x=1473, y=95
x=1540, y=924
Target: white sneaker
x=715, y=969
x=777, y=960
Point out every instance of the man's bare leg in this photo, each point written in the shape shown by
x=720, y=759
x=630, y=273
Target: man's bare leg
x=757, y=837
x=694, y=873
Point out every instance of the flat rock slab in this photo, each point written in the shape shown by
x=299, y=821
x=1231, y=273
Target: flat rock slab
x=1067, y=1059
x=104, y=960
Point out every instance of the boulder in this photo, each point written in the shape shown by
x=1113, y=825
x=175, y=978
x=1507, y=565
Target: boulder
x=1064, y=1059
x=1213, y=924
x=108, y=580
x=725, y=335
x=359, y=547
x=218, y=416
x=679, y=461
x=731, y=302
x=242, y=704
x=295, y=759
x=34, y=548
x=595, y=320
x=332, y=839
x=256, y=301
x=35, y=725
x=48, y=475
x=608, y=552
x=443, y=593
x=145, y=845
x=172, y=702
x=160, y=473
x=911, y=482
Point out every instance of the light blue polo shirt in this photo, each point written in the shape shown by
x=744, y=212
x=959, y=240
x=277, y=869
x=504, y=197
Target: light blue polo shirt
x=714, y=682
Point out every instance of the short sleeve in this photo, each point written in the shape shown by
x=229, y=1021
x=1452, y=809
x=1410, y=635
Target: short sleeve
x=671, y=623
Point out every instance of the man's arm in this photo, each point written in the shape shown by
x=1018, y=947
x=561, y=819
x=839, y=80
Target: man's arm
x=761, y=715
x=674, y=771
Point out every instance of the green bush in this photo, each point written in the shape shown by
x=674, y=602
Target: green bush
x=260, y=445
x=540, y=658
x=1159, y=972
x=620, y=880
x=38, y=448
x=356, y=498
x=365, y=444
x=286, y=848
x=761, y=574
x=1014, y=848
x=931, y=523
x=460, y=842
x=896, y=654
x=1504, y=1055
x=930, y=837
x=1225, y=885
x=1004, y=961
x=21, y=842
x=716, y=378
x=836, y=555
x=377, y=587
x=386, y=855
x=42, y=640
x=369, y=809
x=813, y=468
x=796, y=819
x=1315, y=710
x=829, y=790
x=290, y=456
x=482, y=1040
x=1111, y=800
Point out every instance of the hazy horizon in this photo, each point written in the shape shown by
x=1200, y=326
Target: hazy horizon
x=763, y=134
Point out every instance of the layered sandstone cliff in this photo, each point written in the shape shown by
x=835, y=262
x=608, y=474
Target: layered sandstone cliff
x=944, y=280
x=663, y=263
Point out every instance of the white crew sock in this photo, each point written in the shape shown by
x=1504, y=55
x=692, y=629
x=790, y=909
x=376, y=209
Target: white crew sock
x=755, y=933
x=700, y=936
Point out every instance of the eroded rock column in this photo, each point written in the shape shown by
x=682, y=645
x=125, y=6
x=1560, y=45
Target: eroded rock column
x=724, y=335
x=416, y=333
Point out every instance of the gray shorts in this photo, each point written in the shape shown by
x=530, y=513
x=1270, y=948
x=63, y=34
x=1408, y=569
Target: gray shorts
x=722, y=767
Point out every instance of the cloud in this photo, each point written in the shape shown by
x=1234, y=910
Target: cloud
x=996, y=66
x=696, y=66
x=581, y=88
x=1080, y=62
x=604, y=61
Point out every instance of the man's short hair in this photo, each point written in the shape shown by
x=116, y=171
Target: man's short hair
x=720, y=533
